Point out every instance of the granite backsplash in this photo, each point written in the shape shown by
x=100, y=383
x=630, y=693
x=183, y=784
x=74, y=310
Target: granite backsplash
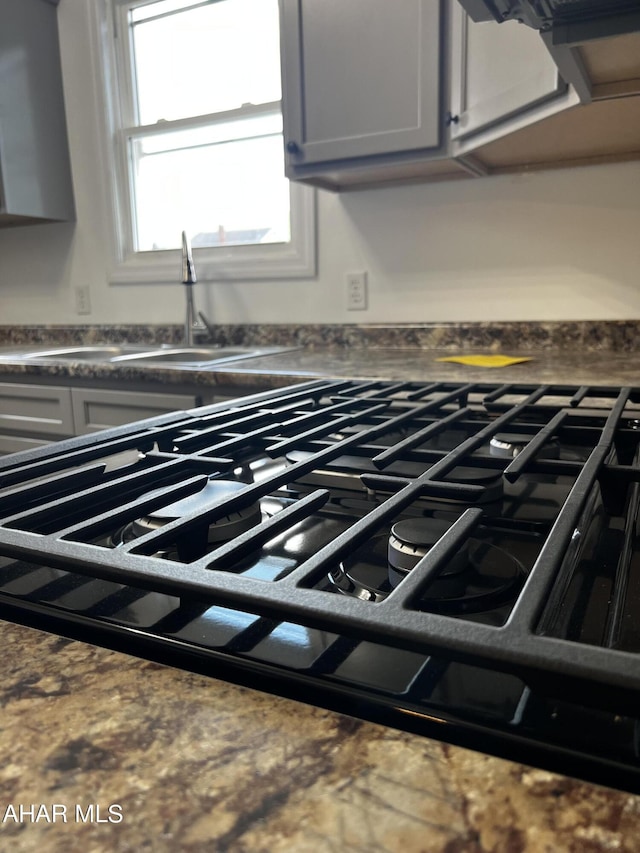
x=581, y=336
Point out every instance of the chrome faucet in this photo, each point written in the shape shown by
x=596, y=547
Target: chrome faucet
x=194, y=323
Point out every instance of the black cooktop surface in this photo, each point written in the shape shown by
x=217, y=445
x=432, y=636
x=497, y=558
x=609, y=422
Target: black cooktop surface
x=455, y=559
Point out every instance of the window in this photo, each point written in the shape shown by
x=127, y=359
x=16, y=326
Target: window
x=196, y=123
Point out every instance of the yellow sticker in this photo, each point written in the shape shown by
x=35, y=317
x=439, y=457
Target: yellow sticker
x=486, y=360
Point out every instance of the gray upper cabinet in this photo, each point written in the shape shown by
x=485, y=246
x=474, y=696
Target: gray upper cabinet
x=390, y=91
x=35, y=175
x=497, y=73
x=360, y=79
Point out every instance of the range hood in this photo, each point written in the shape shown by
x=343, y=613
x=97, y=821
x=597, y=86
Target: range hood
x=569, y=22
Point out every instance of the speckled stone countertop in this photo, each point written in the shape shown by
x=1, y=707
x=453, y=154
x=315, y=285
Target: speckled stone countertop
x=594, y=368
x=174, y=761
x=591, y=368
x=585, y=352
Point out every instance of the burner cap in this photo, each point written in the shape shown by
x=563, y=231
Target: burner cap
x=412, y=538
x=220, y=531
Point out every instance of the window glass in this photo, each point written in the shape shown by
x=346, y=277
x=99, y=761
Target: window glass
x=221, y=192
x=204, y=58
x=197, y=138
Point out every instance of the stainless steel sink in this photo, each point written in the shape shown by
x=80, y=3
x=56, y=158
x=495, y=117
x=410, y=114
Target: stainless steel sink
x=177, y=356
x=191, y=355
x=87, y=353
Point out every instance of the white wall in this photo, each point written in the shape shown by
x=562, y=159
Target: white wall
x=558, y=245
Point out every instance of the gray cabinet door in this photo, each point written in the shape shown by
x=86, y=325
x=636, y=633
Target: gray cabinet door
x=16, y=443
x=498, y=71
x=41, y=410
x=35, y=175
x=95, y=409
x=361, y=78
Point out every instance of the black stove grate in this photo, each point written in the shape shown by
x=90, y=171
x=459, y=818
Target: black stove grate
x=568, y=639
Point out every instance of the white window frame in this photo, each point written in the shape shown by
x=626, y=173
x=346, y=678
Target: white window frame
x=295, y=259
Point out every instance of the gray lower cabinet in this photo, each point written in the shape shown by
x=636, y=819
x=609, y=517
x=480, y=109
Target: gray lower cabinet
x=95, y=409
x=33, y=415
x=35, y=173
x=15, y=443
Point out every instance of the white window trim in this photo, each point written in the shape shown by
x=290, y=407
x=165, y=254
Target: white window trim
x=296, y=259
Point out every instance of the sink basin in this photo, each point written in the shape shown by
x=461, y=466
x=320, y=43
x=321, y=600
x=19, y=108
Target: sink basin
x=190, y=355
x=178, y=356
x=88, y=353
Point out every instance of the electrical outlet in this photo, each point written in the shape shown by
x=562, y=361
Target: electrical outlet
x=83, y=300
x=356, y=291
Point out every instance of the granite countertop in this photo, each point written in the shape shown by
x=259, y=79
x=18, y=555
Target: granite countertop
x=589, y=352
x=190, y=763
x=554, y=366
x=593, y=368
x=173, y=761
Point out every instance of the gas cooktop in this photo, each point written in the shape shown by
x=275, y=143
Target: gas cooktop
x=459, y=560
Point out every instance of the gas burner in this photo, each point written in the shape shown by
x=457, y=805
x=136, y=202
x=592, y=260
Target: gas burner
x=479, y=578
x=507, y=445
x=365, y=574
x=346, y=583
x=222, y=530
x=410, y=540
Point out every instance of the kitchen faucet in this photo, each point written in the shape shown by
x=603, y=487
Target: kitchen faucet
x=194, y=323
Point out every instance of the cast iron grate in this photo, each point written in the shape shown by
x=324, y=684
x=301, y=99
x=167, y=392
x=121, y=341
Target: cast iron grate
x=58, y=503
